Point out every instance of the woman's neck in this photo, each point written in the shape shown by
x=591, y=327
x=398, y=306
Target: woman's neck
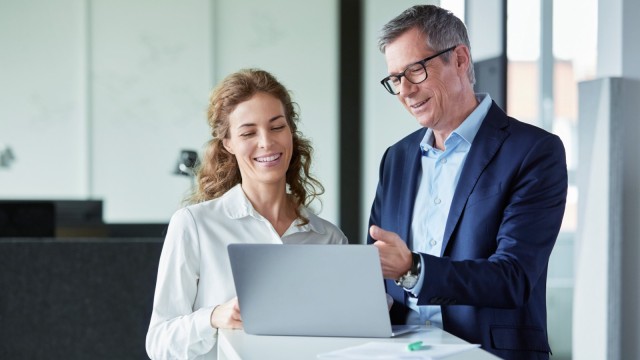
x=272, y=202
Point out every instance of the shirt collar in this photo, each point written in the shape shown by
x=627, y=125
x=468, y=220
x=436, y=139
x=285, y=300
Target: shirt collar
x=314, y=223
x=469, y=127
x=237, y=205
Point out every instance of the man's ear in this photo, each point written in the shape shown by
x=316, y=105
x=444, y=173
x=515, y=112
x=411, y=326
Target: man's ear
x=225, y=143
x=462, y=56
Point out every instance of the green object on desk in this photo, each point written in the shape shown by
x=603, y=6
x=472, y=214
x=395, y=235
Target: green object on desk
x=415, y=346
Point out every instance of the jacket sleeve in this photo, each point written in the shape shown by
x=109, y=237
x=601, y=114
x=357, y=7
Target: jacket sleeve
x=398, y=312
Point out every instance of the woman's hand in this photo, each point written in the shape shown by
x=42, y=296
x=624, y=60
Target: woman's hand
x=227, y=315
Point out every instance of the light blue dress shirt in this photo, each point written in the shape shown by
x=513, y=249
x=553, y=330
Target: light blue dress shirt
x=439, y=178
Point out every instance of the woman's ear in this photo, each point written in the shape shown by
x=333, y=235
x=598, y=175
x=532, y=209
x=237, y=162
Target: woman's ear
x=225, y=143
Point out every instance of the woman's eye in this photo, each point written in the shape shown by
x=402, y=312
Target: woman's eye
x=276, y=128
x=244, y=135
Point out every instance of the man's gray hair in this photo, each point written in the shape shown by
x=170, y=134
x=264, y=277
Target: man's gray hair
x=440, y=27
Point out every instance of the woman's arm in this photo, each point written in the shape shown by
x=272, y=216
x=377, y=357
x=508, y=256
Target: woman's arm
x=176, y=330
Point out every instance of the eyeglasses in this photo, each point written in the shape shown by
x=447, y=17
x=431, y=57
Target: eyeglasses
x=415, y=73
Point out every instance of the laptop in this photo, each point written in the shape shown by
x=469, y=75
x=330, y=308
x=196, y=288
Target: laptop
x=311, y=290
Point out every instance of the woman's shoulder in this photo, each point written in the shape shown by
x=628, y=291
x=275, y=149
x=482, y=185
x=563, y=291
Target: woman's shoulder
x=197, y=210
x=202, y=206
x=231, y=204
x=324, y=226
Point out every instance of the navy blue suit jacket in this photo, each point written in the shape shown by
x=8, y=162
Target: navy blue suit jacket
x=504, y=220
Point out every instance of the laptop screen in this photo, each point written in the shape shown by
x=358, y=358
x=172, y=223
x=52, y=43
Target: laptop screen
x=312, y=290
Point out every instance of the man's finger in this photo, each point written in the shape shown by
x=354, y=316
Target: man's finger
x=377, y=233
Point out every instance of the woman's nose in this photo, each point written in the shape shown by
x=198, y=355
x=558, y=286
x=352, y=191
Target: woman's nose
x=265, y=139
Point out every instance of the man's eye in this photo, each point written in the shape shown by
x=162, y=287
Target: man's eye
x=416, y=69
x=395, y=80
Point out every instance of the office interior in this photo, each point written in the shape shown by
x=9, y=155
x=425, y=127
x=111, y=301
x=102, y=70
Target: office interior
x=101, y=100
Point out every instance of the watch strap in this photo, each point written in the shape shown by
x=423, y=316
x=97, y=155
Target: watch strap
x=416, y=264
x=414, y=270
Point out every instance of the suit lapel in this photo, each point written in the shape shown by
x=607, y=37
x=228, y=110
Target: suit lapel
x=411, y=172
x=489, y=139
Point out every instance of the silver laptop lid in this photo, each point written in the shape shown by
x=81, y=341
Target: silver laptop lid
x=310, y=290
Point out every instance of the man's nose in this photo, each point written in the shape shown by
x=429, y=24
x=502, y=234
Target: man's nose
x=406, y=87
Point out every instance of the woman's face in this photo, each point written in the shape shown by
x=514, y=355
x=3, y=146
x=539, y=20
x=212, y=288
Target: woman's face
x=261, y=140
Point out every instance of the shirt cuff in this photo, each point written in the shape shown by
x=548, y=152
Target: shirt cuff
x=203, y=323
x=415, y=291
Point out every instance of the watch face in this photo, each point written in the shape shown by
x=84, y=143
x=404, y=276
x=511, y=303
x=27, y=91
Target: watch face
x=408, y=282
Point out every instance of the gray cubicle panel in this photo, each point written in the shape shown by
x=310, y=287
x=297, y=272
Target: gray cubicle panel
x=76, y=298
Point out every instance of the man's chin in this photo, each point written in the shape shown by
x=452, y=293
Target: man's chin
x=425, y=121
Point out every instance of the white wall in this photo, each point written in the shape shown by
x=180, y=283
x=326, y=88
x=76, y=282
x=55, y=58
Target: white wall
x=594, y=227
x=150, y=77
x=484, y=24
x=42, y=98
x=98, y=97
x=298, y=42
x=606, y=317
x=618, y=52
x=385, y=120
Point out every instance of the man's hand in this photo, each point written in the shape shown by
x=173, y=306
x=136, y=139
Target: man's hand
x=227, y=315
x=395, y=256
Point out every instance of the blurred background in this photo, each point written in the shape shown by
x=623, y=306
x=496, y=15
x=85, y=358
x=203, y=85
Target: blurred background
x=101, y=101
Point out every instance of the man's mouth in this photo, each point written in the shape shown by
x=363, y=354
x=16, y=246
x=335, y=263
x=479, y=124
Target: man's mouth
x=417, y=105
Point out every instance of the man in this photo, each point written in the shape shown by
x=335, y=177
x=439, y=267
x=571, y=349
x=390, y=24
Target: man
x=468, y=208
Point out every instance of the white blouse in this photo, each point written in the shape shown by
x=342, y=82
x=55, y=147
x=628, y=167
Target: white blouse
x=194, y=274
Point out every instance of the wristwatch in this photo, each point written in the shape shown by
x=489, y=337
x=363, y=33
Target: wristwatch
x=409, y=280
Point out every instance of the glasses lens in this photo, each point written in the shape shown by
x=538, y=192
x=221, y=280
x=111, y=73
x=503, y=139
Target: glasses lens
x=392, y=84
x=416, y=73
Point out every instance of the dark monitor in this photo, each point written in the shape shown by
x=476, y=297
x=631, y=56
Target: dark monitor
x=24, y=218
x=79, y=218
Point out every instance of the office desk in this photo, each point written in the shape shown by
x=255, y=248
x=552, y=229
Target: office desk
x=237, y=345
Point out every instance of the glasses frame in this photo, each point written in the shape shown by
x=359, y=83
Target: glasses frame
x=422, y=63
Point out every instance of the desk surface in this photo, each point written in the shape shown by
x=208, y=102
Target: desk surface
x=237, y=345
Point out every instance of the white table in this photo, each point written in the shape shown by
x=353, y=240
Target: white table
x=238, y=345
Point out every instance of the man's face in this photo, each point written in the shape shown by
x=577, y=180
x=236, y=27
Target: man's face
x=433, y=101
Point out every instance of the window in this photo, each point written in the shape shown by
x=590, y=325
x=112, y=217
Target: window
x=551, y=47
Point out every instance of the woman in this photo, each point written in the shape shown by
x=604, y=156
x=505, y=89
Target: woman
x=253, y=186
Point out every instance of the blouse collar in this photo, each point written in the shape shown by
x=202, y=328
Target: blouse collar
x=237, y=205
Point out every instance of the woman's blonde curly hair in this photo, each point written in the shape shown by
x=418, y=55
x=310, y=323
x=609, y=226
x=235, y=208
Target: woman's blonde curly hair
x=219, y=169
